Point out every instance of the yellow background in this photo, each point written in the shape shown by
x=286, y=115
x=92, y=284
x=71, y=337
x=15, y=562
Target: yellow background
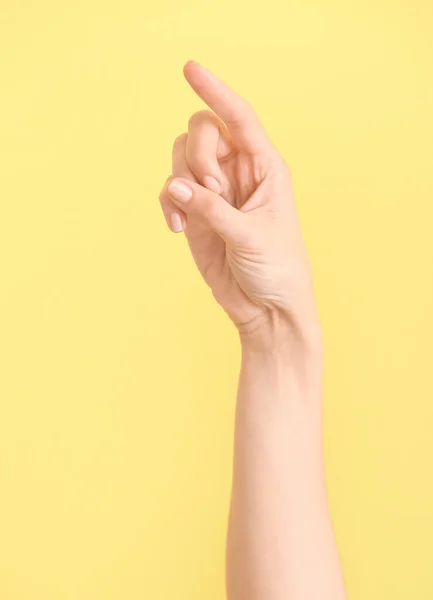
x=118, y=372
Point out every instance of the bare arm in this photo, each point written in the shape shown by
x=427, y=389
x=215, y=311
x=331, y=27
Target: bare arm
x=230, y=192
x=280, y=542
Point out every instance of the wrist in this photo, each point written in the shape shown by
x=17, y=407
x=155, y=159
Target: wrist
x=275, y=343
x=277, y=350
x=277, y=332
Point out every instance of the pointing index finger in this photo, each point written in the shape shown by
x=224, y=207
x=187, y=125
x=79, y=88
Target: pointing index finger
x=245, y=128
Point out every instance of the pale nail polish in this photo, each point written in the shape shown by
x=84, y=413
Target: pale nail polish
x=180, y=191
x=176, y=222
x=211, y=183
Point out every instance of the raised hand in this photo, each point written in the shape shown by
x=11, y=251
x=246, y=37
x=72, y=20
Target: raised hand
x=230, y=191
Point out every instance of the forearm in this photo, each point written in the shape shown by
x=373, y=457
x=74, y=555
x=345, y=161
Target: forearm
x=280, y=541
x=231, y=192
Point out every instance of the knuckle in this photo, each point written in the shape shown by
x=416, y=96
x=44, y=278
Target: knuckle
x=248, y=110
x=180, y=141
x=251, y=116
x=200, y=116
x=285, y=172
x=163, y=194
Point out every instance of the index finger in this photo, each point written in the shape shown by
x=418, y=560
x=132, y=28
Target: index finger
x=242, y=122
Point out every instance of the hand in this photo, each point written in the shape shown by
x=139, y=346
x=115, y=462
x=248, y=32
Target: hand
x=230, y=192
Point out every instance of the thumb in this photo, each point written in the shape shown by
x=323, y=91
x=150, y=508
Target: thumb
x=207, y=206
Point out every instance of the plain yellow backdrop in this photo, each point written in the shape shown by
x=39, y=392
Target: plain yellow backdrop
x=118, y=371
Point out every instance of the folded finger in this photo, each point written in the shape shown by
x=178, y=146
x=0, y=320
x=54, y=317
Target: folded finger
x=239, y=116
x=206, y=143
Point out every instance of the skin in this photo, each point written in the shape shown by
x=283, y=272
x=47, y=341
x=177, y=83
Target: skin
x=230, y=192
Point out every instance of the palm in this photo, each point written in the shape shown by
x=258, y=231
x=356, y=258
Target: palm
x=248, y=260
x=209, y=250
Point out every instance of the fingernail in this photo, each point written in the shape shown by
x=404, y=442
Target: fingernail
x=180, y=191
x=211, y=183
x=176, y=222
